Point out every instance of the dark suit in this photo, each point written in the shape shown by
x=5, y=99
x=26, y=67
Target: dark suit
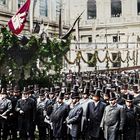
x=74, y=119
x=58, y=119
x=26, y=119
x=130, y=123
x=94, y=117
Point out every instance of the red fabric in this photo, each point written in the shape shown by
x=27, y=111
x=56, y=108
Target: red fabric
x=16, y=23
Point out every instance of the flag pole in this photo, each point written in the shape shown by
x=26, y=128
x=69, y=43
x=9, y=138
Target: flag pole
x=31, y=15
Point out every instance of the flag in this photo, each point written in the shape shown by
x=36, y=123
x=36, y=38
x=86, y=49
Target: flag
x=71, y=28
x=17, y=22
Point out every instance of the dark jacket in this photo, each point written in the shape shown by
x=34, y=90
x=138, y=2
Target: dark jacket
x=129, y=130
x=94, y=117
x=28, y=106
x=74, y=119
x=58, y=119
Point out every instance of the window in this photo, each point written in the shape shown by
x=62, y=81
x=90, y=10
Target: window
x=138, y=7
x=116, y=38
x=91, y=9
x=2, y=2
x=43, y=8
x=89, y=56
x=116, y=8
x=20, y=3
x=118, y=62
x=90, y=39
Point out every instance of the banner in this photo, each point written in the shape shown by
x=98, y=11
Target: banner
x=17, y=22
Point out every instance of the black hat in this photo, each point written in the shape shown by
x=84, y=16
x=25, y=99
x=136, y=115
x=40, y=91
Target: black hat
x=42, y=92
x=25, y=90
x=128, y=97
x=75, y=92
x=86, y=90
x=97, y=93
x=103, y=89
x=57, y=88
x=136, y=87
x=16, y=89
x=112, y=96
x=51, y=90
x=107, y=91
x=92, y=90
x=75, y=95
x=61, y=95
x=3, y=91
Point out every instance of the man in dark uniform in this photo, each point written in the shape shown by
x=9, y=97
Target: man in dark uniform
x=5, y=108
x=75, y=115
x=95, y=112
x=26, y=108
x=58, y=118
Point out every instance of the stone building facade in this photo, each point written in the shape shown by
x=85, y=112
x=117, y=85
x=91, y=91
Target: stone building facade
x=113, y=24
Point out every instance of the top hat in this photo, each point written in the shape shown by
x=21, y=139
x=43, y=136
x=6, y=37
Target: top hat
x=135, y=87
x=97, y=93
x=25, y=90
x=112, y=96
x=61, y=95
x=75, y=92
x=103, y=89
x=42, y=92
x=57, y=88
x=51, y=90
x=75, y=95
x=16, y=89
x=86, y=90
x=128, y=97
x=92, y=90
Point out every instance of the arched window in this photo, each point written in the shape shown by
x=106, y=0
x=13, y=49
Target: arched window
x=116, y=8
x=138, y=7
x=43, y=8
x=91, y=9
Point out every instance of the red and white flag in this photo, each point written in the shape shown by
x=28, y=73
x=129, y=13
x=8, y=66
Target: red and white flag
x=16, y=23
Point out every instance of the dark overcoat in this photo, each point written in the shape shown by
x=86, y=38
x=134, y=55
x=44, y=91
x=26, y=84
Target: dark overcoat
x=26, y=120
x=58, y=119
x=74, y=119
x=94, y=117
x=130, y=123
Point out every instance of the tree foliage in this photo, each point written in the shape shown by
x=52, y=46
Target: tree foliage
x=20, y=55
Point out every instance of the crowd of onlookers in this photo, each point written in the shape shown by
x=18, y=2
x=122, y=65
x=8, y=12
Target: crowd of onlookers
x=87, y=106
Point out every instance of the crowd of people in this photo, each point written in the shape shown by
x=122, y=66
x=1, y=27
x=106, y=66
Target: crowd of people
x=85, y=106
